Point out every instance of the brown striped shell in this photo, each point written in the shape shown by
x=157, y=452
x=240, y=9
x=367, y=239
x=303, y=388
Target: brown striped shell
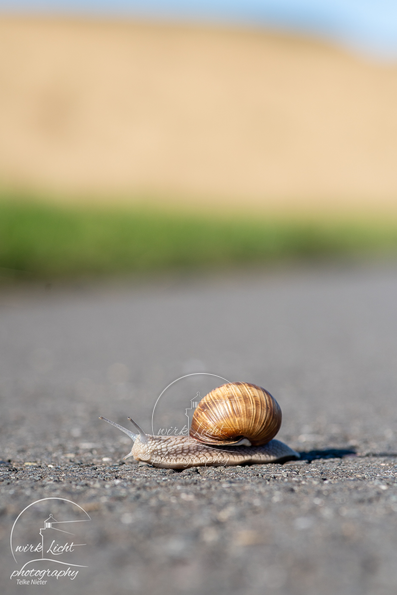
x=235, y=411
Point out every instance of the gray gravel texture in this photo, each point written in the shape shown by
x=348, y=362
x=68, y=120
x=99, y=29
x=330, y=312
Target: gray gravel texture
x=322, y=341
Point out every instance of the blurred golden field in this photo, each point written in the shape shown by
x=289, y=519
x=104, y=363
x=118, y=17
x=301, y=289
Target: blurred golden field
x=195, y=115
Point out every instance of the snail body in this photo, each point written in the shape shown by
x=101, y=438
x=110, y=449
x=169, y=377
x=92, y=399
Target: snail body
x=233, y=425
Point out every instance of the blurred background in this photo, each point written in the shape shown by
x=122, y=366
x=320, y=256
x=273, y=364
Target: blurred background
x=164, y=122
x=157, y=137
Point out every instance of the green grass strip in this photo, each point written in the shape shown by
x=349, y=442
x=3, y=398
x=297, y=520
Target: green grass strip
x=48, y=241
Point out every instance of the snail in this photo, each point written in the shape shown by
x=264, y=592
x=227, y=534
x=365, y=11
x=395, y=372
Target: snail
x=234, y=424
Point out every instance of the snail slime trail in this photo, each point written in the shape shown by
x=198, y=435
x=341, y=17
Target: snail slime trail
x=234, y=424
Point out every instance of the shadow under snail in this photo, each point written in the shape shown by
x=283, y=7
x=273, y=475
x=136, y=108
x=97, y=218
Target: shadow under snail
x=233, y=425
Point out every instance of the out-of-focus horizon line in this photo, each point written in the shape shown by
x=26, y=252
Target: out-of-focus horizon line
x=367, y=26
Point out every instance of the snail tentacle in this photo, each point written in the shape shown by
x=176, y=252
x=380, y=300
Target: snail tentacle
x=128, y=432
x=142, y=434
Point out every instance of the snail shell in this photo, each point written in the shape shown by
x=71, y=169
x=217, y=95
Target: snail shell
x=236, y=413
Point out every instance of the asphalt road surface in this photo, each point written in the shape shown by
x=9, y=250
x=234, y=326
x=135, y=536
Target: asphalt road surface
x=323, y=341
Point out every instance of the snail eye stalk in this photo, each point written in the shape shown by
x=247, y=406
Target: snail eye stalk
x=128, y=432
x=142, y=434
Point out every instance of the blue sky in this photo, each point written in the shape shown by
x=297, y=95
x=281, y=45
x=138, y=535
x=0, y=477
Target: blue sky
x=370, y=25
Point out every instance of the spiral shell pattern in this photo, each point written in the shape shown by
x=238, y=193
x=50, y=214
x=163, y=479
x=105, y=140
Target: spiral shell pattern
x=235, y=411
